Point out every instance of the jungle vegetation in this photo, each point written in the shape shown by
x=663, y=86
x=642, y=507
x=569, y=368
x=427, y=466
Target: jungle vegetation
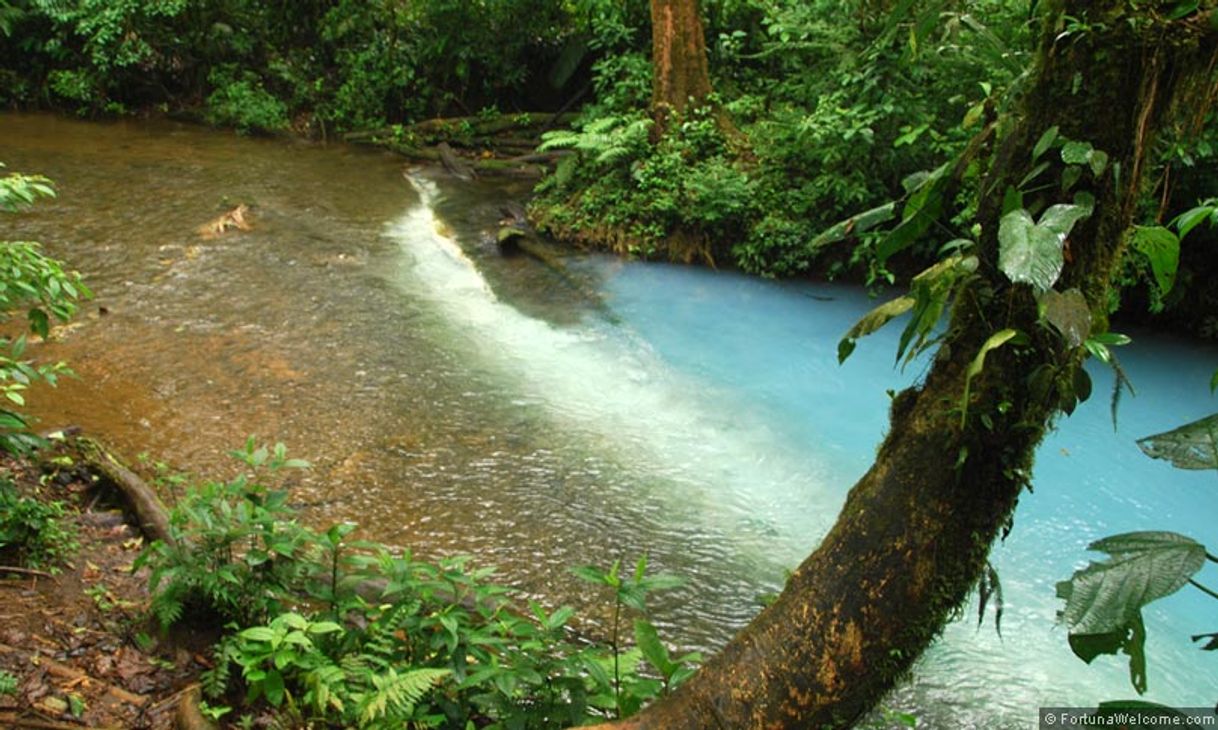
x=1027, y=170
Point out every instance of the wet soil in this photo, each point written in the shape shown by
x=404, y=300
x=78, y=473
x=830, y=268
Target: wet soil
x=76, y=638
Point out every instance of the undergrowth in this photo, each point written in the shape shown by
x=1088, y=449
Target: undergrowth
x=326, y=631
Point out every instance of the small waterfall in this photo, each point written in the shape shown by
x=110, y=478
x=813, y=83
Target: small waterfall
x=608, y=390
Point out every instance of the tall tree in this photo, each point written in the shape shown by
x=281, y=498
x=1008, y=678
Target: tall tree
x=678, y=54
x=916, y=530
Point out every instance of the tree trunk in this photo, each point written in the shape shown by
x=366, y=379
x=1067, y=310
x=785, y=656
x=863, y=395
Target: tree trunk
x=916, y=530
x=678, y=56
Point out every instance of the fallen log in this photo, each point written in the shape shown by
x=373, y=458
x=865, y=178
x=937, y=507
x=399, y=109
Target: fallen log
x=151, y=514
x=454, y=164
x=462, y=127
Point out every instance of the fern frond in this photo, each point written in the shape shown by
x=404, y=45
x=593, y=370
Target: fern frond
x=559, y=139
x=399, y=693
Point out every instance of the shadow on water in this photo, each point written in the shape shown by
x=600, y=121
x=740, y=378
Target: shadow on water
x=457, y=401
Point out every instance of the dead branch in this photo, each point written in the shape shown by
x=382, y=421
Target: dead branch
x=24, y=571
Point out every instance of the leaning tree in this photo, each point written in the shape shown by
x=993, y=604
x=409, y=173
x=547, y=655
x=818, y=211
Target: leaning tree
x=915, y=532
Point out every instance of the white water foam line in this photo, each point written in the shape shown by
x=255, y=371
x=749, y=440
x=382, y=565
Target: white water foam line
x=601, y=381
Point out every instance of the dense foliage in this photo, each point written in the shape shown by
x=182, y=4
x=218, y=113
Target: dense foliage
x=822, y=109
x=329, y=631
x=33, y=533
x=267, y=65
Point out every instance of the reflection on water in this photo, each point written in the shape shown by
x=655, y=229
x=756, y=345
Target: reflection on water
x=460, y=402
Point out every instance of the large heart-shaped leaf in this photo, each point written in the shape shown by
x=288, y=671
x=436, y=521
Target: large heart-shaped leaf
x=1032, y=252
x=1191, y=446
x=1029, y=253
x=1108, y=596
x=1069, y=314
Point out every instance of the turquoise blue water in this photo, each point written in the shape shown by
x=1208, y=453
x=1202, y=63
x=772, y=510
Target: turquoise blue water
x=774, y=344
x=719, y=400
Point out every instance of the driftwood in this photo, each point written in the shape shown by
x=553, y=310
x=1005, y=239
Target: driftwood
x=144, y=502
x=514, y=137
x=234, y=218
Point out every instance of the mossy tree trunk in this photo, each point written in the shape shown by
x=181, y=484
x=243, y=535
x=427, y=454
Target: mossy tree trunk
x=678, y=55
x=916, y=530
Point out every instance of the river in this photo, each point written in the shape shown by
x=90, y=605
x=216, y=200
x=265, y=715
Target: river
x=456, y=401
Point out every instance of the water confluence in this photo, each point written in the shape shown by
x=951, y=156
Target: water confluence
x=455, y=401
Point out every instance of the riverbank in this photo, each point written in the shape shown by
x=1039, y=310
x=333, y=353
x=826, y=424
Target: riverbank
x=74, y=641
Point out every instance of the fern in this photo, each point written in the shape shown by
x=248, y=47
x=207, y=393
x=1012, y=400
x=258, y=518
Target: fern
x=398, y=693
x=607, y=141
x=215, y=680
x=559, y=139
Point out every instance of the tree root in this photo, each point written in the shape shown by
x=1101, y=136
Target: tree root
x=142, y=499
x=188, y=716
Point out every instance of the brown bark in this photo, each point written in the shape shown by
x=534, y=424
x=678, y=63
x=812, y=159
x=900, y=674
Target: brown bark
x=678, y=56
x=141, y=498
x=916, y=530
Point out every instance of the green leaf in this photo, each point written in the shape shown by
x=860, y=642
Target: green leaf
x=1142, y=567
x=1162, y=248
x=39, y=322
x=854, y=225
x=1076, y=153
x=273, y=687
x=258, y=633
x=918, y=215
x=1214, y=382
x=996, y=340
x=1028, y=253
x=590, y=574
x=1061, y=218
x=1191, y=446
x=1098, y=161
x=1190, y=219
x=871, y=322
x=1045, y=141
x=648, y=640
x=931, y=290
x=324, y=627
x=1069, y=314
x=1012, y=199
x=1130, y=639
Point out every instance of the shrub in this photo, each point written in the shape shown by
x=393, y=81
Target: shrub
x=241, y=101
x=35, y=533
